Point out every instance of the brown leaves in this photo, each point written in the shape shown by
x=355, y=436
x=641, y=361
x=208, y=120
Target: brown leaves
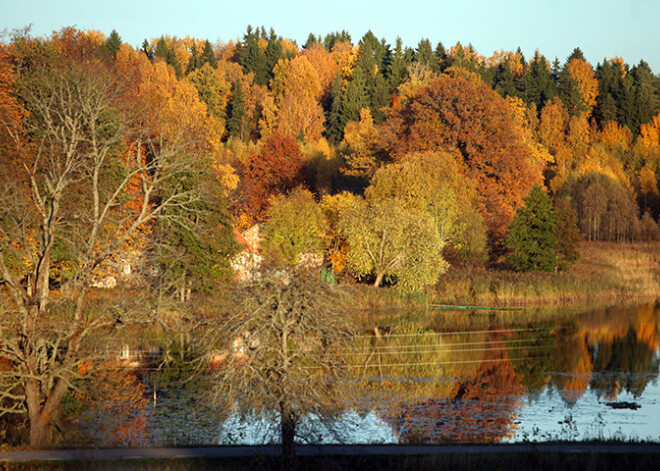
x=275, y=168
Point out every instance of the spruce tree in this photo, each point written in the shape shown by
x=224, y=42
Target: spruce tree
x=161, y=49
x=397, y=70
x=569, y=92
x=380, y=98
x=251, y=57
x=311, y=39
x=273, y=53
x=237, y=120
x=113, y=43
x=194, y=62
x=334, y=119
x=208, y=56
x=440, y=55
x=539, y=84
x=504, y=81
x=147, y=49
x=167, y=54
x=355, y=97
x=576, y=54
x=646, y=98
x=424, y=55
x=532, y=234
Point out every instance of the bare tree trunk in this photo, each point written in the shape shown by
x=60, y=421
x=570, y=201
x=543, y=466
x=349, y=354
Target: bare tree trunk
x=379, y=279
x=38, y=426
x=38, y=432
x=288, y=432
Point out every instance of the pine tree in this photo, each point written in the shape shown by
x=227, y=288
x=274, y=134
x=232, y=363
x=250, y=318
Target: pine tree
x=355, y=97
x=252, y=58
x=147, y=49
x=237, y=119
x=504, y=82
x=397, y=69
x=208, y=56
x=532, y=234
x=113, y=43
x=311, y=39
x=539, y=84
x=334, y=119
x=194, y=62
x=273, y=53
x=424, y=55
x=440, y=55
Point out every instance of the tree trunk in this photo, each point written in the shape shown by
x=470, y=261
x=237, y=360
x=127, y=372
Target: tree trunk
x=288, y=432
x=38, y=432
x=379, y=279
x=38, y=423
x=41, y=416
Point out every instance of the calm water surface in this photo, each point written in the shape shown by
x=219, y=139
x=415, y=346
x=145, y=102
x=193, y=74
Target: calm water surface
x=594, y=376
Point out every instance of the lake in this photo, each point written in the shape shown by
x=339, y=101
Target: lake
x=593, y=376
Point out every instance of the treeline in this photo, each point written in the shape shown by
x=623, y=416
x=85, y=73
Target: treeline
x=443, y=141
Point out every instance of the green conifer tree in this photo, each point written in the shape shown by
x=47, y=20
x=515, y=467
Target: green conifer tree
x=334, y=118
x=532, y=234
x=251, y=57
x=147, y=49
x=113, y=43
x=273, y=53
x=424, y=55
x=440, y=55
x=237, y=119
x=397, y=69
x=194, y=62
x=539, y=86
x=208, y=56
x=355, y=97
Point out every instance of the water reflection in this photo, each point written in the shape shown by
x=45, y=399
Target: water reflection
x=594, y=376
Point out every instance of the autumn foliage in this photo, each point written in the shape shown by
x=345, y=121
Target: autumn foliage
x=468, y=115
x=275, y=168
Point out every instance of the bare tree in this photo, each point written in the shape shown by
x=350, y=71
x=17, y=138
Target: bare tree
x=290, y=335
x=65, y=213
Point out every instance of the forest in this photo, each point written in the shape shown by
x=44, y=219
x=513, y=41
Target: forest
x=146, y=169
x=308, y=140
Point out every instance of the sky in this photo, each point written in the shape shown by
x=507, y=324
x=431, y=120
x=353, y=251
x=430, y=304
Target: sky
x=601, y=28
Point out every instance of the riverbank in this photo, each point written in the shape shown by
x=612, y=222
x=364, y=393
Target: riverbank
x=606, y=274
x=606, y=271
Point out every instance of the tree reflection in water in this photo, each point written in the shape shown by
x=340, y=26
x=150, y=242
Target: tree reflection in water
x=473, y=386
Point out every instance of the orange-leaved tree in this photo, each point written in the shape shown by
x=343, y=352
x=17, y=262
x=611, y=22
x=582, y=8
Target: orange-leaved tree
x=278, y=166
x=467, y=115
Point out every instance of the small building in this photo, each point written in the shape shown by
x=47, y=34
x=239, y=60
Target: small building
x=247, y=262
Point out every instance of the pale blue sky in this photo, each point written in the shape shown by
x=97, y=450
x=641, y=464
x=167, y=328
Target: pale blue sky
x=601, y=28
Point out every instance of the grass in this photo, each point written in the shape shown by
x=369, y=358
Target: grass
x=606, y=271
